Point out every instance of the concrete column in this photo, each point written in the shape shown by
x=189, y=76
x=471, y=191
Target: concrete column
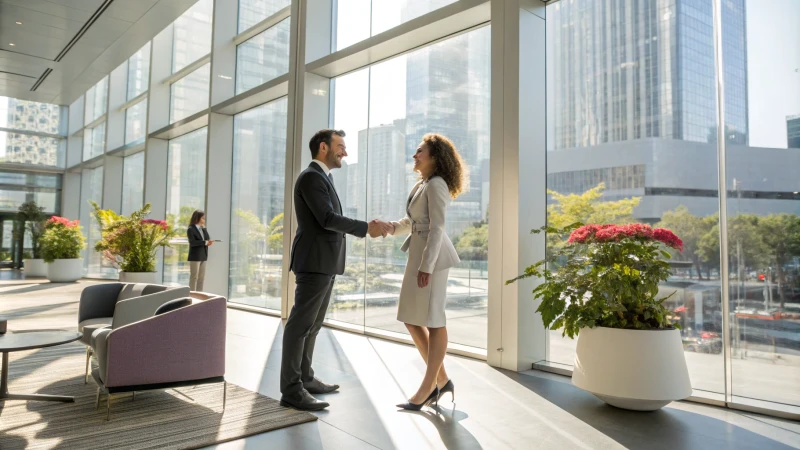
x=218, y=201
x=517, y=337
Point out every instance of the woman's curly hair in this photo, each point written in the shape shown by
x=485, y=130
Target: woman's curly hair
x=447, y=163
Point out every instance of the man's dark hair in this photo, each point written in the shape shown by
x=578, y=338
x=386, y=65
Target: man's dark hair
x=321, y=136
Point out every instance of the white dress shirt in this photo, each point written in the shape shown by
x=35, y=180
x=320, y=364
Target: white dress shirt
x=202, y=236
x=324, y=167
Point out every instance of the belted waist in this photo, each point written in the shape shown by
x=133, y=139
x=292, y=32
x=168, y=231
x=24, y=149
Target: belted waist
x=420, y=227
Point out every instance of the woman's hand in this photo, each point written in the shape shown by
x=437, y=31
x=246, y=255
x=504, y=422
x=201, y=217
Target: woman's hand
x=423, y=279
x=209, y=243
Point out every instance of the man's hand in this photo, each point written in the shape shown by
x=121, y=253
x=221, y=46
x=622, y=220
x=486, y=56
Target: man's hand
x=380, y=228
x=209, y=243
x=423, y=279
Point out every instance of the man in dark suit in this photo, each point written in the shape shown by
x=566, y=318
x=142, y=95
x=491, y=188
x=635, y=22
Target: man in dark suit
x=318, y=255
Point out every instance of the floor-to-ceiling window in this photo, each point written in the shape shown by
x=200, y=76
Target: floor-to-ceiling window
x=137, y=83
x=132, y=183
x=634, y=136
x=357, y=20
x=186, y=192
x=191, y=42
x=91, y=191
x=762, y=90
x=257, y=208
x=385, y=110
x=263, y=57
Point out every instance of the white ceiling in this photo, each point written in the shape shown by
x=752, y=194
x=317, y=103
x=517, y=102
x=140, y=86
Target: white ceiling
x=49, y=25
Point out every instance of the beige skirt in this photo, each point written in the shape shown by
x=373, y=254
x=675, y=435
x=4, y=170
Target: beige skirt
x=423, y=307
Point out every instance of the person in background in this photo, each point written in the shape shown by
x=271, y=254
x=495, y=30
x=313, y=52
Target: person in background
x=199, y=241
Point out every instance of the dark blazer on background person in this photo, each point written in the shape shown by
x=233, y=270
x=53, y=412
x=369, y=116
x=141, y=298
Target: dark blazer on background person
x=319, y=245
x=198, y=250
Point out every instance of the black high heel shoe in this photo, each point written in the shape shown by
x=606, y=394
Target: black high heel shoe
x=448, y=387
x=434, y=398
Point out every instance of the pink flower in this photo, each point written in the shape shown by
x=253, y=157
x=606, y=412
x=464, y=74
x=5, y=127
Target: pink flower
x=57, y=220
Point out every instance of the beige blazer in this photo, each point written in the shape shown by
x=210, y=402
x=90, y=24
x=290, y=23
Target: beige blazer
x=425, y=216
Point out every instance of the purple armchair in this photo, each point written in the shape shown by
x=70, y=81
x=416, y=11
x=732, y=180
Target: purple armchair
x=179, y=346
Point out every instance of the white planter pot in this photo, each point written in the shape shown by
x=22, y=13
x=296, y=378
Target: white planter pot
x=35, y=268
x=140, y=277
x=632, y=369
x=65, y=270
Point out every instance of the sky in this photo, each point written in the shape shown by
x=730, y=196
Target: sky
x=773, y=69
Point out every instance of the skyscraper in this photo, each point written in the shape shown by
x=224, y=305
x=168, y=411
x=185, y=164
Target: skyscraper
x=635, y=69
x=447, y=92
x=793, y=131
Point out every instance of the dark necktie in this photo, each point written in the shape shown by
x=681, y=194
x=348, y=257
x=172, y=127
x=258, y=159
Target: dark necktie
x=330, y=177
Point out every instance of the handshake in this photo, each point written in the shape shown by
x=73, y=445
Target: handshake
x=379, y=228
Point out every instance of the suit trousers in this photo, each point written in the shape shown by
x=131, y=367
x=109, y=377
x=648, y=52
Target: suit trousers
x=311, y=299
x=197, y=275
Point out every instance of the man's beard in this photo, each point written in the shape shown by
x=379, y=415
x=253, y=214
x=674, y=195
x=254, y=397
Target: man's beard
x=333, y=161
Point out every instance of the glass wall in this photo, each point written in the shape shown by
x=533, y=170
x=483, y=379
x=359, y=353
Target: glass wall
x=763, y=224
x=186, y=192
x=96, y=99
x=91, y=190
x=357, y=20
x=22, y=148
x=263, y=58
x=192, y=35
x=386, y=109
x=189, y=94
x=252, y=12
x=138, y=72
x=258, y=183
x=132, y=183
x=94, y=141
x=136, y=122
x=30, y=116
x=18, y=187
x=636, y=144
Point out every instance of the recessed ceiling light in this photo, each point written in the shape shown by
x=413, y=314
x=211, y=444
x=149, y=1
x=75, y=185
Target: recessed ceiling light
x=11, y=44
x=19, y=23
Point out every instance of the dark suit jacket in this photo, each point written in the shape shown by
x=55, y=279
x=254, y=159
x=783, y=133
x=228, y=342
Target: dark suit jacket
x=198, y=250
x=319, y=246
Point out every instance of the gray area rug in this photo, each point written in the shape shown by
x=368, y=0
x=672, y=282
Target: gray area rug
x=189, y=417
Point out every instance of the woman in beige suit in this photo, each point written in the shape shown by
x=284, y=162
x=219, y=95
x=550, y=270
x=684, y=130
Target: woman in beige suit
x=431, y=254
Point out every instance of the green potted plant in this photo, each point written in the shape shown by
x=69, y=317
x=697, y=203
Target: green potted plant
x=602, y=285
x=130, y=243
x=62, y=243
x=33, y=219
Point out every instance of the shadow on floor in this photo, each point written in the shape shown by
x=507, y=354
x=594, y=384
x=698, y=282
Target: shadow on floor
x=34, y=287
x=31, y=310
x=666, y=429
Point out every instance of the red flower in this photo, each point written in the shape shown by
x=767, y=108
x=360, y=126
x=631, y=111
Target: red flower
x=668, y=238
x=158, y=223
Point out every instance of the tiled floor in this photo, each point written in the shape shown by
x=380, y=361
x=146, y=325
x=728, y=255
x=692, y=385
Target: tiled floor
x=495, y=409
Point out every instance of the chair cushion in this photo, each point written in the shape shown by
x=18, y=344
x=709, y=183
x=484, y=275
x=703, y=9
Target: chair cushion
x=89, y=326
x=130, y=291
x=172, y=305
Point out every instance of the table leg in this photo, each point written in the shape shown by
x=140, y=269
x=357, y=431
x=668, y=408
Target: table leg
x=4, y=395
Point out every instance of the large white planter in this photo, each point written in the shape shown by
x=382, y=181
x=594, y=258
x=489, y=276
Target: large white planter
x=35, y=267
x=65, y=270
x=632, y=369
x=139, y=277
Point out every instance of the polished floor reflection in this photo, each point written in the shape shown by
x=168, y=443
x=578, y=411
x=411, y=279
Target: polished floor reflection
x=494, y=409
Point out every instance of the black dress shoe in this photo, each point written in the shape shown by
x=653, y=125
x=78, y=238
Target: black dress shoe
x=303, y=401
x=315, y=386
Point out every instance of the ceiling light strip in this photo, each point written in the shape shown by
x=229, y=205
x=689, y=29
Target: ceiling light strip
x=83, y=29
x=41, y=79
